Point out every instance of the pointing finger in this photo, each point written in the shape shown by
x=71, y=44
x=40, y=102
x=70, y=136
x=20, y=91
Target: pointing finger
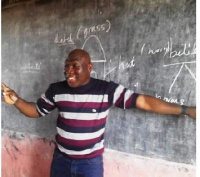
x=4, y=87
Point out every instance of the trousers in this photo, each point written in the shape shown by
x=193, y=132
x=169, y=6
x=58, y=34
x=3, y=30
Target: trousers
x=63, y=166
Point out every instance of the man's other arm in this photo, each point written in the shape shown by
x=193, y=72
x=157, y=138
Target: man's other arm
x=27, y=108
x=152, y=104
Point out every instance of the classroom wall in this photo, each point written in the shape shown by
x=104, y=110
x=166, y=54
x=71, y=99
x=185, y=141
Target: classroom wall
x=30, y=156
x=147, y=46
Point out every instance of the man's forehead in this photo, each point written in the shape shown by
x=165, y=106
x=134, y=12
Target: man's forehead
x=76, y=59
x=73, y=60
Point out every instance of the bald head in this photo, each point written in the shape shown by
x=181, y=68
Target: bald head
x=78, y=54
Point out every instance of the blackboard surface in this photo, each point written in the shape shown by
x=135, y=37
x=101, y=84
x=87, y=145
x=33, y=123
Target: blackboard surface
x=147, y=46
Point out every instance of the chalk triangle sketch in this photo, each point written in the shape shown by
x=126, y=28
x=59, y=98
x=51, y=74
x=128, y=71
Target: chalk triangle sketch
x=94, y=47
x=184, y=64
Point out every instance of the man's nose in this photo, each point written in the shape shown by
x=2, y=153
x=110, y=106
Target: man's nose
x=69, y=70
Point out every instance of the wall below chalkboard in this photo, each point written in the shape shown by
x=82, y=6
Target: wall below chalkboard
x=147, y=46
x=24, y=155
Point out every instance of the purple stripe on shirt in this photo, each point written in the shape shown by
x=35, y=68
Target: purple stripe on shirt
x=82, y=104
x=120, y=101
x=128, y=103
x=82, y=123
x=86, y=156
x=77, y=143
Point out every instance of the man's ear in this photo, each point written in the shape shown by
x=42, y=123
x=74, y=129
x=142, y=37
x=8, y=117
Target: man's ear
x=90, y=67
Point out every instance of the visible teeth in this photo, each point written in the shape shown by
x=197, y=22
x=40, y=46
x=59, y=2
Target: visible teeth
x=71, y=78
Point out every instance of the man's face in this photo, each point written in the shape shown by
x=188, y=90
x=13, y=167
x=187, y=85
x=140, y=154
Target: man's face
x=77, y=71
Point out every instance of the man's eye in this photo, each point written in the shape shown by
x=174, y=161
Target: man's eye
x=76, y=66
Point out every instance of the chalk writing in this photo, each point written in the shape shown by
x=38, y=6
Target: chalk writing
x=185, y=51
x=122, y=66
x=125, y=65
x=169, y=52
x=171, y=100
x=88, y=30
x=31, y=67
x=63, y=39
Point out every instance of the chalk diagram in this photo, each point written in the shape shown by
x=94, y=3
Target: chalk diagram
x=93, y=45
x=182, y=65
x=168, y=50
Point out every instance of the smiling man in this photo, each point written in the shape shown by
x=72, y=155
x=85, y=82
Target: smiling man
x=83, y=103
x=77, y=68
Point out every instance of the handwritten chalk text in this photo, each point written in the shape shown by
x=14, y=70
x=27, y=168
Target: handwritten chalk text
x=122, y=66
x=63, y=39
x=31, y=67
x=90, y=30
x=168, y=51
x=171, y=100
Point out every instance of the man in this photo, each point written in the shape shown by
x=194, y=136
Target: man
x=83, y=103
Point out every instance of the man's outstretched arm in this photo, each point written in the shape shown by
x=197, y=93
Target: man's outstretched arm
x=27, y=108
x=152, y=104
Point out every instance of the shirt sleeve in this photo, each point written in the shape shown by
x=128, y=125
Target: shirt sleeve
x=122, y=97
x=45, y=104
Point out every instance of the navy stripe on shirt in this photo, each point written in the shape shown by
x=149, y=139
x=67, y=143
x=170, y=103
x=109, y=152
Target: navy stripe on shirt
x=78, y=148
x=72, y=129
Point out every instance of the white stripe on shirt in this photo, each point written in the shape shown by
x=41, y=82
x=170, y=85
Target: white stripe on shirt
x=117, y=93
x=127, y=95
x=82, y=98
x=46, y=100
x=84, y=116
x=97, y=146
x=80, y=136
x=47, y=112
x=40, y=111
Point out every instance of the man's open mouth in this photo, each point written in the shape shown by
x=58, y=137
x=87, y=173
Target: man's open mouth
x=71, y=79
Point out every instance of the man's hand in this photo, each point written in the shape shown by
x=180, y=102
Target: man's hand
x=191, y=112
x=9, y=95
x=26, y=108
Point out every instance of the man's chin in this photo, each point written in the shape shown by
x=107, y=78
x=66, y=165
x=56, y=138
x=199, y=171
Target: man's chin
x=72, y=84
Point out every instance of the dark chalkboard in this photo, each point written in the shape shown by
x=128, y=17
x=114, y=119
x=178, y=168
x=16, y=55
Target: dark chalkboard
x=147, y=46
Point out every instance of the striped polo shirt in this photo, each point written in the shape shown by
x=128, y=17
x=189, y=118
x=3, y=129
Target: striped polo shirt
x=82, y=114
